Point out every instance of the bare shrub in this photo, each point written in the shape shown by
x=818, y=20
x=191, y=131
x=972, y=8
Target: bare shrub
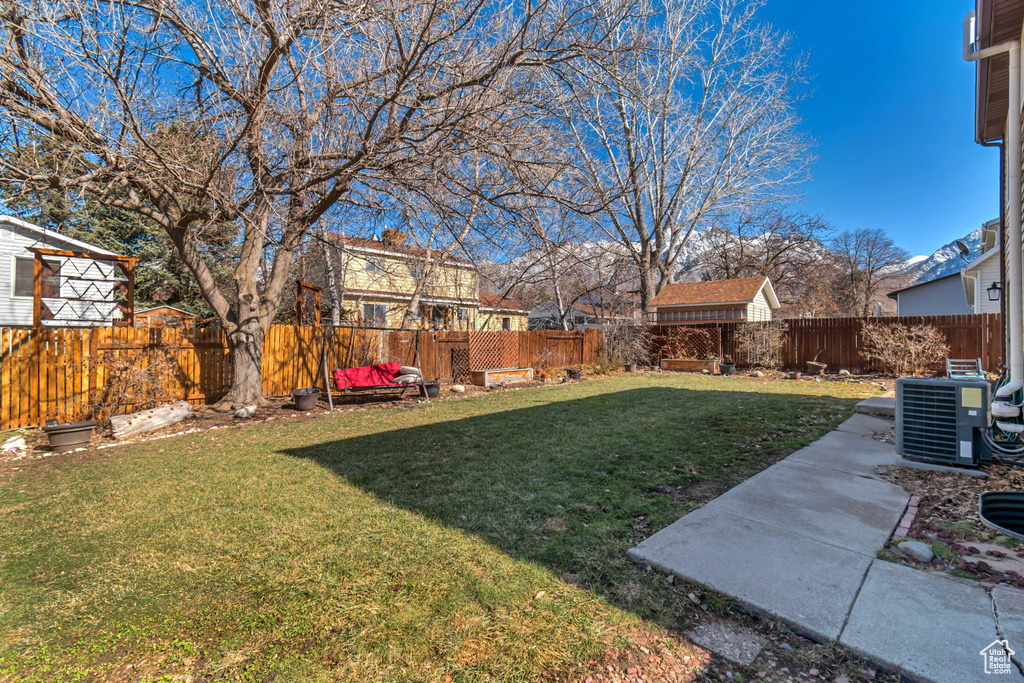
x=762, y=342
x=688, y=343
x=132, y=381
x=544, y=360
x=628, y=342
x=902, y=350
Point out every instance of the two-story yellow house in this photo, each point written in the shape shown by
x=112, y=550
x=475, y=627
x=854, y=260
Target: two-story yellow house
x=379, y=278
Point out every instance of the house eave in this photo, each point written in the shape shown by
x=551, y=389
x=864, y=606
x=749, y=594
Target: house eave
x=56, y=236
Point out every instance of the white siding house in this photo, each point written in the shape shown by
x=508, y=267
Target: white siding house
x=980, y=274
x=76, y=278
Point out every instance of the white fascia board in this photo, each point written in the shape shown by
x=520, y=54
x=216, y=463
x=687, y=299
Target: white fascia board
x=25, y=225
x=994, y=251
x=773, y=300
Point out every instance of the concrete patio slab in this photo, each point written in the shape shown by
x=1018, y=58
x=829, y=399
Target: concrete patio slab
x=1010, y=608
x=847, y=452
x=924, y=626
x=845, y=510
x=934, y=467
x=862, y=424
x=798, y=542
x=876, y=405
x=809, y=584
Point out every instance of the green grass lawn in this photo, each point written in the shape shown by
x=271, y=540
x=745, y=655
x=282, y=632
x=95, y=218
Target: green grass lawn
x=476, y=539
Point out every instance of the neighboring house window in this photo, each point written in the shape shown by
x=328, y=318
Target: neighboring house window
x=463, y=314
x=24, y=273
x=416, y=271
x=375, y=315
x=374, y=266
x=506, y=324
x=438, y=317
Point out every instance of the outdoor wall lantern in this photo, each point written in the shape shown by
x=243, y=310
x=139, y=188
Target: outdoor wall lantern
x=994, y=290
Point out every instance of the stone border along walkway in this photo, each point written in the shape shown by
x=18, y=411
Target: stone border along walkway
x=798, y=541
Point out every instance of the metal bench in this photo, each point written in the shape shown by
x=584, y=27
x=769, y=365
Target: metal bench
x=964, y=368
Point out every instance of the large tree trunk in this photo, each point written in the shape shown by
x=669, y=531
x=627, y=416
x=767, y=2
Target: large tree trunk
x=648, y=287
x=245, y=347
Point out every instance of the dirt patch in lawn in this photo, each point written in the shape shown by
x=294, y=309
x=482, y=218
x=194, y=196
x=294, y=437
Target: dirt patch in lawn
x=278, y=408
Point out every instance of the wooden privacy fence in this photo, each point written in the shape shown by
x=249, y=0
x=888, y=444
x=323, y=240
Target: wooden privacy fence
x=838, y=342
x=60, y=373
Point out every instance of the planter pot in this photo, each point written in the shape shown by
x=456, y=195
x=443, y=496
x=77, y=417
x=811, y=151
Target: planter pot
x=814, y=368
x=794, y=375
x=629, y=367
x=575, y=374
x=305, y=399
x=430, y=389
x=686, y=365
x=69, y=435
x=727, y=368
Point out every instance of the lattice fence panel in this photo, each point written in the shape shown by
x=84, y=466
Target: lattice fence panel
x=492, y=350
x=690, y=343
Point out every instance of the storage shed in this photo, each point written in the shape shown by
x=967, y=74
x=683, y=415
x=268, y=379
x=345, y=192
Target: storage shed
x=737, y=300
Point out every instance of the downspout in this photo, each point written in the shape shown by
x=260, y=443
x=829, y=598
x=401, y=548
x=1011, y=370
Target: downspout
x=1013, y=179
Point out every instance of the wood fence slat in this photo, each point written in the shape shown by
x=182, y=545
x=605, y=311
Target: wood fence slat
x=839, y=342
x=5, y=376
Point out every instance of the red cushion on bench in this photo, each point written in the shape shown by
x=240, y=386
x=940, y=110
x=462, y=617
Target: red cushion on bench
x=366, y=376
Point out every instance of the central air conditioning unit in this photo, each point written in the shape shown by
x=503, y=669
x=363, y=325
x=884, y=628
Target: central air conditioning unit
x=940, y=420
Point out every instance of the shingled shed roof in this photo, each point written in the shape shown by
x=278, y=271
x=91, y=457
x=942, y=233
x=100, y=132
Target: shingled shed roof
x=739, y=291
x=497, y=302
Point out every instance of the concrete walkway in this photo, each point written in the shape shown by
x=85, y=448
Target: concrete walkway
x=798, y=541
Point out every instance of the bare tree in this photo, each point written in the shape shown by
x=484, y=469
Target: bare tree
x=694, y=125
x=868, y=260
x=551, y=256
x=785, y=247
x=270, y=115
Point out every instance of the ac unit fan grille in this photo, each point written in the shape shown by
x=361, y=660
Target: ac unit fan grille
x=929, y=421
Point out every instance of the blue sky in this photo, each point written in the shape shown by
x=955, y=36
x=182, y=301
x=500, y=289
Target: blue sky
x=891, y=106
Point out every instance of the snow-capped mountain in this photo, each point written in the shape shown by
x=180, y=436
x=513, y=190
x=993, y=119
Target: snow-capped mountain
x=690, y=264
x=946, y=259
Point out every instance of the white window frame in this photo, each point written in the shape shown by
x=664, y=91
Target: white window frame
x=506, y=323
x=463, y=314
x=416, y=271
x=373, y=265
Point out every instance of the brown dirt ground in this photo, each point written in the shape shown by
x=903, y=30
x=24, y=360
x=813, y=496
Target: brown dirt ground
x=948, y=513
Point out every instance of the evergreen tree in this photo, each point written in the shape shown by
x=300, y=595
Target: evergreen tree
x=161, y=277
